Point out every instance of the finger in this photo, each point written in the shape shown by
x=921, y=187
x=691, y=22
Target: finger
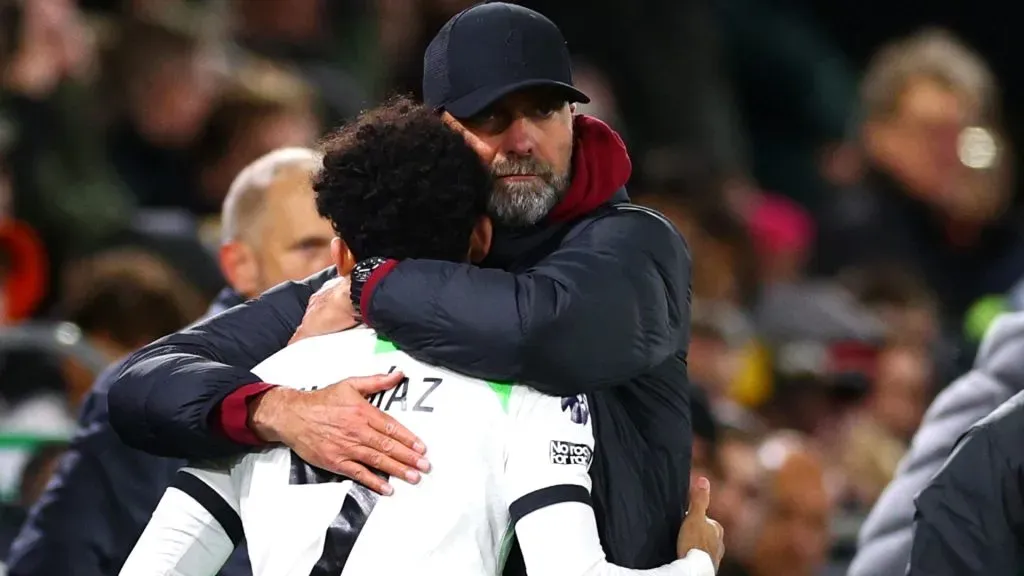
x=361, y=474
x=700, y=497
x=391, y=448
x=388, y=426
x=719, y=530
x=384, y=463
x=367, y=385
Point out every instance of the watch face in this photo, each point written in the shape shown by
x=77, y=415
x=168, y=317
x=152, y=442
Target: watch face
x=363, y=269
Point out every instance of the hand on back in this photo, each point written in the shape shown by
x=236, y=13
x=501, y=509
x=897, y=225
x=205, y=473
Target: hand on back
x=338, y=430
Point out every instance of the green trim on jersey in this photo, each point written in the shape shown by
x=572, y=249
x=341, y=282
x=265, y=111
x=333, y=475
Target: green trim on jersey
x=504, y=392
x=506, y=547
x=383, y=346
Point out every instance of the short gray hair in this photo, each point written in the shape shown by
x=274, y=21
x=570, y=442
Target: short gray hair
x=245, y=199
x=932, y=53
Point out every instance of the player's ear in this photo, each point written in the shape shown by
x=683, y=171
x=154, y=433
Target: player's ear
x=342, y=256
x=239, y=265
x=480, y=240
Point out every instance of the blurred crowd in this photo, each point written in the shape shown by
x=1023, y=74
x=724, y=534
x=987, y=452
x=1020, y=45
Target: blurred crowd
x=853, y=232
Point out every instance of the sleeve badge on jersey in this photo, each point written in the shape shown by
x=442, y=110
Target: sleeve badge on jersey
x=577, y=408
x=563, y=452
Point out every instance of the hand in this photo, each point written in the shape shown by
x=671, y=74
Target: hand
x=336, y=429
x=699, y=531
x=329, y=310
x=55, y=43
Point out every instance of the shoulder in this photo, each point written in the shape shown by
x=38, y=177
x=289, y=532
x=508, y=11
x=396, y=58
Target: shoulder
x=1003, y=428
x=991, y=445
x=565, y=412
x=626, y=227
x=329, y=351
x=631, y=218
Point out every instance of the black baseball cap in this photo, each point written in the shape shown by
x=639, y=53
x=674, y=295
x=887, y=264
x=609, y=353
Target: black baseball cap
x=490, y=50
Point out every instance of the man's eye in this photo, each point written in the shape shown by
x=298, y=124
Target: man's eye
x=489, y=122
x=545, y=111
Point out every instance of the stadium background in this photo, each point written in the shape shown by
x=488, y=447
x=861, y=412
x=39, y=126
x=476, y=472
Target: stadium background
x=122, y=122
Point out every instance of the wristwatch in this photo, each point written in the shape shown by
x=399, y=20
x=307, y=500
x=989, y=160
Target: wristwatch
x=360, y=274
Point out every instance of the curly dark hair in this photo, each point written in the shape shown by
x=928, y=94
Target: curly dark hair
x=397, y=182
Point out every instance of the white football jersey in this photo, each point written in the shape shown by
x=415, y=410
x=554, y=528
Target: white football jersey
x=503, y=458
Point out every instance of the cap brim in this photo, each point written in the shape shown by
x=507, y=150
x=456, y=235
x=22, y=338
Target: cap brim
x=474, y=102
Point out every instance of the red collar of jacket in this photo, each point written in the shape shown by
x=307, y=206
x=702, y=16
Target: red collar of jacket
x=600, y=167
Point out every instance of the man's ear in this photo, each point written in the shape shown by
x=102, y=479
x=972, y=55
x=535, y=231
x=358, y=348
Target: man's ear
x=240, y=268
x=342, y=256
x=480, y=239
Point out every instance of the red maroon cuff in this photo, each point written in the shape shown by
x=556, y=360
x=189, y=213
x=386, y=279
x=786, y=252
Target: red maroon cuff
x=375, y=277
x=233, y=414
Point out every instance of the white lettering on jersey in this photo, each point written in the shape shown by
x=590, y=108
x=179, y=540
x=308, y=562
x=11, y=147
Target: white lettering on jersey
x=398, y=397
x=570, y=453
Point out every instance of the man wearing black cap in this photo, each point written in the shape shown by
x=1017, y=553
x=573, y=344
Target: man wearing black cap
x=582, y=293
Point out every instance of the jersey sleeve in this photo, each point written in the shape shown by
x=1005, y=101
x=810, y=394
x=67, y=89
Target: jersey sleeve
x=194, y=529
x=549, y=450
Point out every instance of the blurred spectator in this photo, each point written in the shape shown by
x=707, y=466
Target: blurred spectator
x=793, y=88
x=62, y=184
x=168, y=85
x=791, y=536
x=823, y=356
x=783, y=235
x=880, y=433
x=308, y=35
x=901, y=300
x=738, y=497
x=119, y=300
x=267, y=108
x=794, y=538
x=935, y=195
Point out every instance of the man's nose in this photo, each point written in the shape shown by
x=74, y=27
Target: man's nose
x=520, y=139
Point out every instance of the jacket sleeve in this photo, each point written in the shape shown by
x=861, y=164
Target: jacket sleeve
x=886, y=537
x=611, y=302
x=888, y=532
x=166, y=392
x=961, y=526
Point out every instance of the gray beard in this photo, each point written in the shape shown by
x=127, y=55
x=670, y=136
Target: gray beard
x=520, y=204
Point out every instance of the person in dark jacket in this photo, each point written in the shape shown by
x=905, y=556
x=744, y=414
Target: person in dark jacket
x=581, y=293
x=884, y=543
x=104, y=492
x=969, y=518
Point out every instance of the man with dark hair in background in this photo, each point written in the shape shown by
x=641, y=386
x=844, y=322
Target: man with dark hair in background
x=105, y=491
x=582, y=293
